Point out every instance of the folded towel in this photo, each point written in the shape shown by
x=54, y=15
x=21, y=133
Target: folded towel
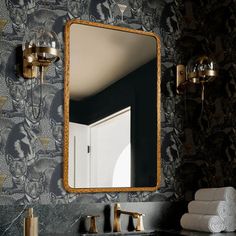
x=230, y=223
x=216, y=194
x=206, y=223
x=220, y=208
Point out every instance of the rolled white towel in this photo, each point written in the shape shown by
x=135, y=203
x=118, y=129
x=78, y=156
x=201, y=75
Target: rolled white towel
x=220, y=208
x=230, y=223
x=216, y=194
x=206, y=223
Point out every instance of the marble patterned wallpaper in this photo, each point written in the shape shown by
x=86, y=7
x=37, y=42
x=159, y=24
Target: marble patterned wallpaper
x=198, y=147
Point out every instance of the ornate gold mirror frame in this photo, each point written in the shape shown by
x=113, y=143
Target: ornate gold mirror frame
x=66, y=109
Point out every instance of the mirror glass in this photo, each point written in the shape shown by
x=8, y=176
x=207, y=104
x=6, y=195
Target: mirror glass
x=112, y=108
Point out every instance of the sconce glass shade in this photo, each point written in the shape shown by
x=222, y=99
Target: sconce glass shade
x=201, y=69
x=41, y=45
x=40, y=48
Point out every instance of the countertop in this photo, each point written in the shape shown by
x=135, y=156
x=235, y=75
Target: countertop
x=151, y=233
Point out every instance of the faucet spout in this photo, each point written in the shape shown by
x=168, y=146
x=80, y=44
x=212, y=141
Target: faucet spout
x=116, y=223
x=118, y=212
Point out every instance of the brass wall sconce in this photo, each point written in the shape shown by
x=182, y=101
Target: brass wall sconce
x=40, y=48
x=199, y=70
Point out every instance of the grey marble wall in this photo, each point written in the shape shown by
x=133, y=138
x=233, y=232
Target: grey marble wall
x=198, y=148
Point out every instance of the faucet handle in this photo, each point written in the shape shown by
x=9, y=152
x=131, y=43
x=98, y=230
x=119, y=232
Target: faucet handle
x=140, y=226
x=93, y=225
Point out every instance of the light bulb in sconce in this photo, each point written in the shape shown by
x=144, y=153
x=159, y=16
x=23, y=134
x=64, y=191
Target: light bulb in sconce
x=40, y=48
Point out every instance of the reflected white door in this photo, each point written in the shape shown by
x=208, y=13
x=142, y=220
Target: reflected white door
x=111, y=153
x=79, y=161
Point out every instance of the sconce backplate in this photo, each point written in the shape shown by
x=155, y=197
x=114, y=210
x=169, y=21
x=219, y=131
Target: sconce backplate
x=29, y=71
x=180, y=78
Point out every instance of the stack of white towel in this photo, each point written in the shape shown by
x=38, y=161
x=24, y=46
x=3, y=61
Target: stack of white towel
x=213, y=210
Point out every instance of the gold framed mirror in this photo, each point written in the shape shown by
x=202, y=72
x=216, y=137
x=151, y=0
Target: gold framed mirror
x=112, y=127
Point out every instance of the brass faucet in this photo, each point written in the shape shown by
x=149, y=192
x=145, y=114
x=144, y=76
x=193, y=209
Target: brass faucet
x=118, y=212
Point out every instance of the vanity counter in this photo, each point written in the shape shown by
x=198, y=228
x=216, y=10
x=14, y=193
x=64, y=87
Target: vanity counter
x=151, y=233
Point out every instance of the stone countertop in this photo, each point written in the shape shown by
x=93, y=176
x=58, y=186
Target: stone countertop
x=133, y=233
x=151, y=233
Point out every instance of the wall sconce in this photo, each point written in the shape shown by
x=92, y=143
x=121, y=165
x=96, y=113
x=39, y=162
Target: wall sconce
x=199, y=70
x=40, y=48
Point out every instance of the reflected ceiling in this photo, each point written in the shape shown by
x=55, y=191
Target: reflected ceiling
x=100, y=54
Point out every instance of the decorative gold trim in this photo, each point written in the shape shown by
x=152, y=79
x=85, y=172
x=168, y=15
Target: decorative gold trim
x=3, y=23
x=66, y=110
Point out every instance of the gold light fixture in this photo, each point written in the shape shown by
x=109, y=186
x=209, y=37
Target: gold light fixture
x=199, y=70
x=40, y=48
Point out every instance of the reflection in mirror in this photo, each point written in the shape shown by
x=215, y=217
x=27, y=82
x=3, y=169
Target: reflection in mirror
x=112, y=109
x=104, y=154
